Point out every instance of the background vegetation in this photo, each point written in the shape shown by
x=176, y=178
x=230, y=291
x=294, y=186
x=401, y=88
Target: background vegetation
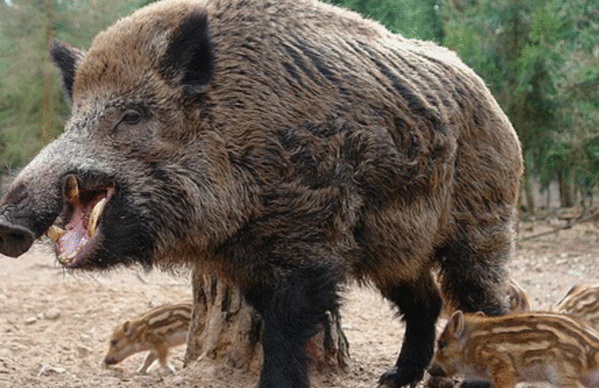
x=540, y=58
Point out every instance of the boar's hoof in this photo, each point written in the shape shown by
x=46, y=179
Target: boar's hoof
x=14, y=240
x=397, y=377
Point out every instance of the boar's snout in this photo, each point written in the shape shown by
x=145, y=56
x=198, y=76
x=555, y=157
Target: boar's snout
x=14, y=240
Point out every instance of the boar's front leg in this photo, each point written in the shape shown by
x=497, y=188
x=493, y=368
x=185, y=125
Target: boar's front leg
x=419, y=302
x=291, y=309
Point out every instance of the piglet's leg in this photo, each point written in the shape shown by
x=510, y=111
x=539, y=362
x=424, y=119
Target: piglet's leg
x=150, y=358
x=504, y=375
x=162, y=352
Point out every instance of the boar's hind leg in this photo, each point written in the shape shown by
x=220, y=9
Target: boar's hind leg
x=291, y=309
x=473, y=273
x=419, y=302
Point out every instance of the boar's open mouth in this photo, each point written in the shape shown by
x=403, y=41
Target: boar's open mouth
x=76, y=241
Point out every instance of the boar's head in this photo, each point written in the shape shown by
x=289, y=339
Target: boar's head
x=135, y=177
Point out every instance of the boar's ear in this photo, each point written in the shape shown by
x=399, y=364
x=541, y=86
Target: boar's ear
x=189, y=58
x=456, y=324
x=66, y=58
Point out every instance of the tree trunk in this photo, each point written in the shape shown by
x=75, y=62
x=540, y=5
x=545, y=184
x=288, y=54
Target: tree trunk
x=227, y=330
x=566, y=199
x=573, y=187
x=530, y=199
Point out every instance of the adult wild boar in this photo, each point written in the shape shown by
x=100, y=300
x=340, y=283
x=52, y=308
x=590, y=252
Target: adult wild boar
x=289, y=146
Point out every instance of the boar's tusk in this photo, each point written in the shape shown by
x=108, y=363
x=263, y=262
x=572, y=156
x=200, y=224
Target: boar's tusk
x=94, y=216
x=71, y=188
x=55, y=233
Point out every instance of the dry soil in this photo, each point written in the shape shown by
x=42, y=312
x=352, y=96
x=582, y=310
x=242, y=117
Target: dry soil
x=54, y=325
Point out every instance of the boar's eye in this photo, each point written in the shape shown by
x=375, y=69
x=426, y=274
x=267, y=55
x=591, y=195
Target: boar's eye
x=114, y=342
x=131, y=117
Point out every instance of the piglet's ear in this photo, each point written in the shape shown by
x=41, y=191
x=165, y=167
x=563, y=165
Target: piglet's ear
x=189, y=58
x=66, y=59
x=126, y=328
x=456, y=325
x=574, y=289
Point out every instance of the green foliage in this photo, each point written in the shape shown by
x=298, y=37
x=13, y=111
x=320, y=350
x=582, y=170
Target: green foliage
x=411, y=18
x=143, y=3
x=574, y=139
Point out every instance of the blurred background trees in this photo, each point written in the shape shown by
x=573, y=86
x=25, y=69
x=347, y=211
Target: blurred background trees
x=32, y=104
x=540, y=58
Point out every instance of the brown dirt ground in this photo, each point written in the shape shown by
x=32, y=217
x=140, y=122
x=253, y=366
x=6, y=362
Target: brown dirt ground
x=39, y=350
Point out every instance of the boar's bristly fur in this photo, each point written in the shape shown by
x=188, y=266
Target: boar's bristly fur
x=289, y=146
